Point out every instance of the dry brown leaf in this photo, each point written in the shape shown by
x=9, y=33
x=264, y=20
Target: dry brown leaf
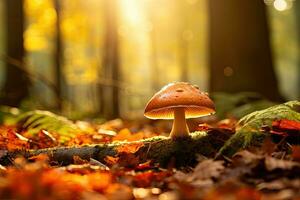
x=203, y=173
x=273, y=163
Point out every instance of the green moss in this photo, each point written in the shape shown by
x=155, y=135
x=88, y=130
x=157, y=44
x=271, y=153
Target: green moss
x=184, y=151
x=163, y=150
x=249, y=133
x=197, y=134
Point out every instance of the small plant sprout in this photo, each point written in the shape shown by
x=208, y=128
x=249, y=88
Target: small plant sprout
x=179, y=101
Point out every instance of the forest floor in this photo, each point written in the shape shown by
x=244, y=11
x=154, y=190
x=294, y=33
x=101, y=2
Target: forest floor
x=268, y=171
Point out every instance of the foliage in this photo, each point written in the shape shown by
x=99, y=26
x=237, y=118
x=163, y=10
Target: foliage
x=289, y=110
x=8, y=114
x=239, y=104
x=37, y=120
x=245, y=109
x=249, y=131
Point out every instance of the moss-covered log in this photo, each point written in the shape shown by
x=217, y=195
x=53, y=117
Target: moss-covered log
x=159, y=149
x=250, y=132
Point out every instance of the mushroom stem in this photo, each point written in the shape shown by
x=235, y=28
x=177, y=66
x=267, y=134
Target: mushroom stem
x=179, y=128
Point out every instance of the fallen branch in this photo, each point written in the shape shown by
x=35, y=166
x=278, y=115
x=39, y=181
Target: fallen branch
x=159, y=149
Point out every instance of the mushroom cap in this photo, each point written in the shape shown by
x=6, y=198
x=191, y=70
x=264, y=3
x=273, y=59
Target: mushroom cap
x=179, y=94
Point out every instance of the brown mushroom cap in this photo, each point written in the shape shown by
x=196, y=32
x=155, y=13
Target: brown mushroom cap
x=179, y=94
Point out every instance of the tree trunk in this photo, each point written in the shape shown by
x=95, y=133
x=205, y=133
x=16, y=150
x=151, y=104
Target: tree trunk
x=240, y=54
x=297, y=13
x=16, y=84
x=58, y=57
x=110, y=94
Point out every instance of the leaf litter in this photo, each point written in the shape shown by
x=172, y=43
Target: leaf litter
x=268, y=171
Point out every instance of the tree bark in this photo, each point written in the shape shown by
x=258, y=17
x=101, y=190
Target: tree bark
x=240, y=54
x=16, y=84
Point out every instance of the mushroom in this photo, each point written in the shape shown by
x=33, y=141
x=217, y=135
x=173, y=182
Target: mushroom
x=179, y=101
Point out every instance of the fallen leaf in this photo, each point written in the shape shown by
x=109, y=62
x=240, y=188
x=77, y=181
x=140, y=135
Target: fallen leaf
x=246, y=158
x=279, y=184
x=150, y=178
x=286, y=124
x=128, y=160
x=78, y=160
x=273, y=163
x=40, y=157
x=203, y=173
x=110, y=160
x=145, y=165
x=248, y=194
x=296, y=153
x=129, y=148
x=227, y=124
x=15, y=141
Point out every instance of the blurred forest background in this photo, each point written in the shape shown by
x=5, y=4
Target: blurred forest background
x=107, y=57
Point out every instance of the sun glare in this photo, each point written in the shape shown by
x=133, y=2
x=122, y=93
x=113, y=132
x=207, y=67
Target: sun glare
x=131, y=10
x=280, y=5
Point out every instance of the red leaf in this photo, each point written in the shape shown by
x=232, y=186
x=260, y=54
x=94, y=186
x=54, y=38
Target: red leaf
x=286, y=124
x=285, y=127
x=296, y=153
x=146, y=179
x=16, y=141
x=145, y=165
x=203, y=127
